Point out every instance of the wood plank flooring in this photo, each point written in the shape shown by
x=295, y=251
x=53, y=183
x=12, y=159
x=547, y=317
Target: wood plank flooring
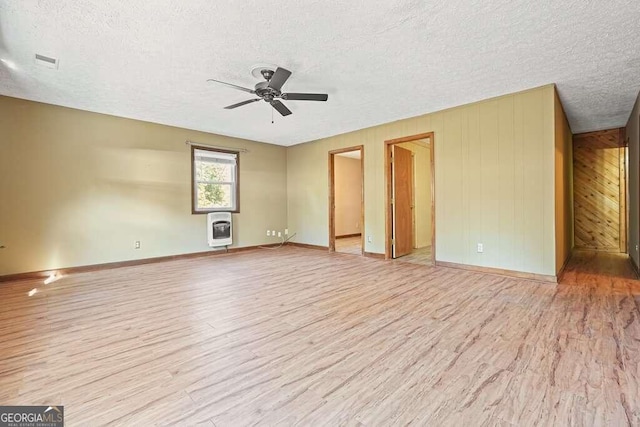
x=304, y=337
x=349, y=245
x=418, y=256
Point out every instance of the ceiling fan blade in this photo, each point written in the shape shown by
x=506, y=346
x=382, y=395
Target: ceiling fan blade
x=305, y=96
x=240, y=104
x=233, y=86
x=280, y=107
x=279, y=78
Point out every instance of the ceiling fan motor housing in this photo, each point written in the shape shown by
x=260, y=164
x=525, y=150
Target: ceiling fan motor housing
x=264, y=91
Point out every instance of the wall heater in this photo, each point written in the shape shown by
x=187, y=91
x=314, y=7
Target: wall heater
x=219, y=229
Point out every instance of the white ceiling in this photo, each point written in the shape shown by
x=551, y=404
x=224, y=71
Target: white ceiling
x=378, y=61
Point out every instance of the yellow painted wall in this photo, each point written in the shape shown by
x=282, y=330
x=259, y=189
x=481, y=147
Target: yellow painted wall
x=494, y=182
x=348, y=182
x=83, y=186
x=632, y=132
x=78, y=188
x=563, y=185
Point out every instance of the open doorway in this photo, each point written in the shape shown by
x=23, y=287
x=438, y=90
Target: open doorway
x=346, y=200
x=410, y=213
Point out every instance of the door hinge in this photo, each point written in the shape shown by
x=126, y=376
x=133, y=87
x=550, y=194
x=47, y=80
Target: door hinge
x=393, y=241
x=393, y=200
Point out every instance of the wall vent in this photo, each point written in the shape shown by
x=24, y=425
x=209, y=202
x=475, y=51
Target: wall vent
x=46, y=61
x=219, y=229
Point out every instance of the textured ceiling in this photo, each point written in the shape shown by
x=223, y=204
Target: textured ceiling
x=378, y=61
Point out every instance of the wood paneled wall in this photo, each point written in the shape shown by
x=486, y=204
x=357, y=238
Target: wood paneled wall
x=600, y=190
x=494, y=182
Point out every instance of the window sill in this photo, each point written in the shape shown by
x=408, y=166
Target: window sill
x=193, y=212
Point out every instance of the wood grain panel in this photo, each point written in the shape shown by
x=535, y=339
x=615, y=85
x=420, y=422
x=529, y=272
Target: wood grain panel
x=305, y=337
x=599, y=190
x=402, y=173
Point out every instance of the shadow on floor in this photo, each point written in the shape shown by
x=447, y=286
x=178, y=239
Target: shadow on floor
x=587, y=267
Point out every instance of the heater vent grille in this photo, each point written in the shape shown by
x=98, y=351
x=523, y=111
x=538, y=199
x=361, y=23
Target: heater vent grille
x=219, y=229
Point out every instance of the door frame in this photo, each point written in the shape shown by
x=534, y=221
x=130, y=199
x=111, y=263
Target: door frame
x=388, y=191
x=332, y=196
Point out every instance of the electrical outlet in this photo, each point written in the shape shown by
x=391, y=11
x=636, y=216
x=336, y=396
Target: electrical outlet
x=268, y=233
x=137, y=244
x=279, y=234
x=480, y=248
x=369, y=239
x=273, y=233
x=286, y=231
x=636, y=248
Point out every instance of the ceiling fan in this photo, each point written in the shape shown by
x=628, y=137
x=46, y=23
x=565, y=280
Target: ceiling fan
x=271, y=91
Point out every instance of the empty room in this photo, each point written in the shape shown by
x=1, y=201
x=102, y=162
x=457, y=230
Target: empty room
x=319, y=213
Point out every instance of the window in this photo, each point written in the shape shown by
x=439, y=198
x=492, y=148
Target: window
x=214, y=185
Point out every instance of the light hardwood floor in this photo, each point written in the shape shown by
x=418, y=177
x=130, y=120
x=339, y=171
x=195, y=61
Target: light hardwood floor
x=418, y=256
x=349, y=245
x=301, y=336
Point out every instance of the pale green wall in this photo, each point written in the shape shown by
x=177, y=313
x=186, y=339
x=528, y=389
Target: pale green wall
x=494, y=183
x=78, y=188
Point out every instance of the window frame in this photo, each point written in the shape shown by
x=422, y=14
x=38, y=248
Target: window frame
x=195, y=211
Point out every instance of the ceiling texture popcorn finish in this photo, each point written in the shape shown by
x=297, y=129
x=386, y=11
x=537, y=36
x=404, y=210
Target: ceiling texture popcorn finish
x=378, y=61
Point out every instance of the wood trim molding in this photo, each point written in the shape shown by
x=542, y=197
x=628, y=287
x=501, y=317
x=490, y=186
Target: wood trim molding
x=634, y=266
x=307, y=246
x=129, y=263
x=560, y=273
x=347, y=149
x=622, y=158
x=346, y=236
x=409, y=138
x=500, y=272
x=388, y=191
x=332, y=195
x=374, y=255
